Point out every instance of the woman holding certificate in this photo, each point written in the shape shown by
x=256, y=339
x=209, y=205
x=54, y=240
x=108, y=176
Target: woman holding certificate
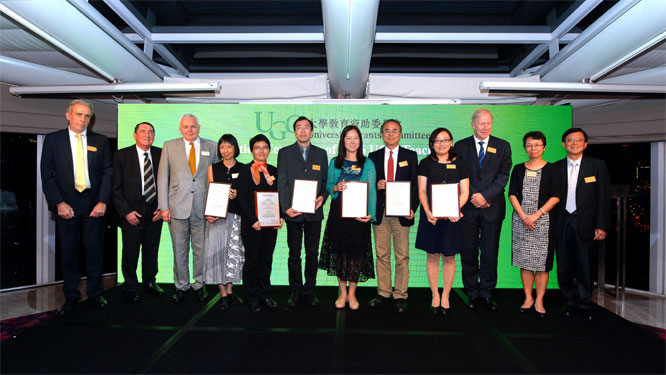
x=260, y=220
x=346, y=250
x=224, y=252
x=534, y=189
x=443, y=190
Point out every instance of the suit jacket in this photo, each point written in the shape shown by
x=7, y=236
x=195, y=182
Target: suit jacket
x=402, y=173
x=57, y=170
x=291, y=166
x=128, y=180
x=177, y=190
x=489, y=180
x=592, y=196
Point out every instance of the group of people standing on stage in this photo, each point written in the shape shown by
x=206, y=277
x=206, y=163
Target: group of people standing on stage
x=563, y=206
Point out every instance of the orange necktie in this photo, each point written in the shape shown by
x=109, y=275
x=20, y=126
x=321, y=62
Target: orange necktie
x=193, y=159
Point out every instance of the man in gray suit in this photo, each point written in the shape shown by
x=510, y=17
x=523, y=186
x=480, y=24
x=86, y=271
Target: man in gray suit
x=181, y=192
x=305, y=161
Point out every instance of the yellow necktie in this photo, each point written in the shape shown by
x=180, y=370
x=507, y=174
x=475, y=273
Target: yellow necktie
x=80, y=167
x=193, y=159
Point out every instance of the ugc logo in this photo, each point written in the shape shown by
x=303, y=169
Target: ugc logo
x=276, y=129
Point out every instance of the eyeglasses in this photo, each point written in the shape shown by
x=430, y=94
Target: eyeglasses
x=441, y=141
x=256, y=148
x=389, y=131
x=574, y=140
x=534, y=145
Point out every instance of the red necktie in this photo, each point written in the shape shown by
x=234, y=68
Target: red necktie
x=390, y=167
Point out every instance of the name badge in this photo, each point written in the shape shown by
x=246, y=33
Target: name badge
x=492, y=149
x=234, y=175
x=590, y=179
x=450, y=166
x=316, y=167
x=356, y=168
x=205, y=153
x=403, y=163
x=92, y=148
x=531, y=174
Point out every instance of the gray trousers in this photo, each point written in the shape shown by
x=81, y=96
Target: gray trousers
x=182, y=230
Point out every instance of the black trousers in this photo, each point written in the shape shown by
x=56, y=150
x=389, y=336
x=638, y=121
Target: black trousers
x=81, y=231
x=479, y=274
x=574, y=259
x=144, y=238
x=295, y=230
x=259, y=248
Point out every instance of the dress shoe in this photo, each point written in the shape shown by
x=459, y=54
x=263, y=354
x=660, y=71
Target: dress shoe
x=526, y=309
x=100, y=302
x=353, y=304
x=400, y=305
x=434, y=310
x=253, y=306
x=293, y=299
x=379, y=301
x=179, y=296
x=153, y=289
x=445, y=310
x=489, y=303
x=473, y=303
x=234, y=299
x=66, y=307
x=540, y=315
x=201, y=294
x=270, y=303
x=312, y=300
x=224, y=303
x=131, y=296
x=566, y=311
x=587, y=315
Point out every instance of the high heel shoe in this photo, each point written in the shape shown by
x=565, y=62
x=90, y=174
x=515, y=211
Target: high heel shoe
x=541, y=315
x=340, y=302
x=445, y=310
x=353, y=304
x=434, y=310
x=526, y=309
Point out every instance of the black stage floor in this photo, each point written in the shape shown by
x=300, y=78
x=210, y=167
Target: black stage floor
x=158, y=336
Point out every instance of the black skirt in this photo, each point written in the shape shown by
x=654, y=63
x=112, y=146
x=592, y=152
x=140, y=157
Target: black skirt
x=346, y=250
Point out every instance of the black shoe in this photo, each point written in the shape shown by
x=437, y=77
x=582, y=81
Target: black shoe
x=224, y=303
x=131, y=296
x=489, y=303
x=540, y=315
x=473, y=303
x=312, y=300
x=526, y=309
x=445, y=310
x=100, y=302
x=270, y=303
x=293, y=299
x=400, y=305
x=586, y=314
x=234, y=299
x=179, y=296
x=254, y=307
x=566, y=311
x=153, y=289
x=379, y=301
x=434, y=310
x=201, y=294
x=66, y=307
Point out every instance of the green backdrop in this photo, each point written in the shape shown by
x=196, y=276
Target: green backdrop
x=275, y=121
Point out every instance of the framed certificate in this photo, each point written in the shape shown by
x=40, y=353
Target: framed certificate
x=444, y=200
x=398, y=198
x=304, y=195
x=267, y=208
x=354, y=200
x=217, y=199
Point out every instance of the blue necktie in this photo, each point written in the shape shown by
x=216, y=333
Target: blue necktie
x=482, y=154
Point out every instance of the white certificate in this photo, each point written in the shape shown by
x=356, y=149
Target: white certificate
x=398, y=198
x=304, y=195
x=355, y=200
x=444, y=200
x=217, y=199
x=267, y=208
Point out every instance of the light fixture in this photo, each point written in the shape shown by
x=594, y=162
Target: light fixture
x=117, y=89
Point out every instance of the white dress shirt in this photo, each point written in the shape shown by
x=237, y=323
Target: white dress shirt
x=572, y=181
x=74, y=141
x=197, y=150
x=140, y=152
x=478, y=146
x=395, y=161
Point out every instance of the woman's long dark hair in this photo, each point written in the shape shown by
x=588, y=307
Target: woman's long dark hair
x=342, y=152
x=431, y=142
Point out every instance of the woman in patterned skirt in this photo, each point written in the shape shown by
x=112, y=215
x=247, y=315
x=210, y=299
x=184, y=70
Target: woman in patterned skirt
x=224, y=253
x=533, y=192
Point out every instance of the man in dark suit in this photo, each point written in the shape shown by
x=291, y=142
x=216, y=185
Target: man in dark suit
x=393, y=163
x=305, y=161
x=489, y=159
x=135, y=199
x=582, y=220
x=77, y=174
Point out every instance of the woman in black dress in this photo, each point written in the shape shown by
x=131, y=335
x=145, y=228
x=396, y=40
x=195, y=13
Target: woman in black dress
x=259, y=242
x=440, y=237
